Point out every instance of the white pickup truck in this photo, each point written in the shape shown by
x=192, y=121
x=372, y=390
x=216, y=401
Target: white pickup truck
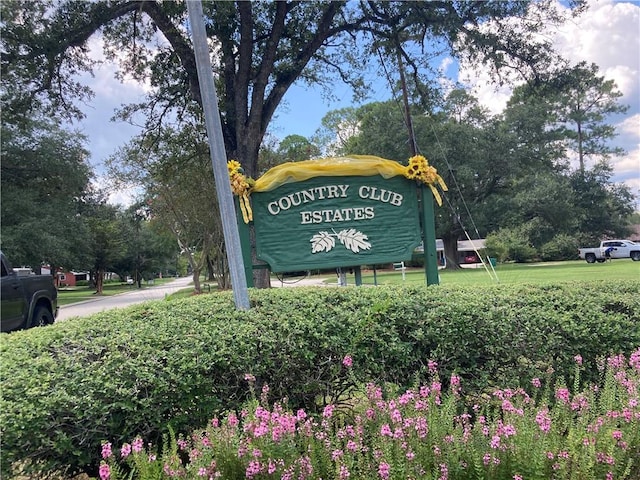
x=611, y=249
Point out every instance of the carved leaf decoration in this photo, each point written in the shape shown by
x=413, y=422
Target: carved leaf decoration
x=322, y=242
x=354, y=240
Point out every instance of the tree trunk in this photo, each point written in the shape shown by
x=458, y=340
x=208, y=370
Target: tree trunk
x=211, y=273
x=451, y=251
x=99, y=281
x=196, y=280
x=221, y=269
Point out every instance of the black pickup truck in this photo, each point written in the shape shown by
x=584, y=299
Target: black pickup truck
x=27, y=300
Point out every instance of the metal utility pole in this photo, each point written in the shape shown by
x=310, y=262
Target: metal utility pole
x=426, y=198
x=218, y=155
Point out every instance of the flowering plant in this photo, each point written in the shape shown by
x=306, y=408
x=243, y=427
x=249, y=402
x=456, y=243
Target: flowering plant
x=421, y=433
x=241, y=186
x=420, y=170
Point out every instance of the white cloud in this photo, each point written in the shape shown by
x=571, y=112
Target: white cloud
x=122, y=195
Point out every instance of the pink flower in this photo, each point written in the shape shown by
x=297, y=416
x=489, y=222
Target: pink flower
x=249, y=378
x=385, y=430
x=544, y=420
x=562, y=394
x=253, y=469
x=383, y=470
x=536, y=382
x=105, y=472
x=344, y=472
x=517, y=477
x=347, y=361
x=578, y=359
x=455, y=384
x=396, y=416
x=232, y=419
x=444, y=472
x=137, y=445
x=106, y=450
x=125, y=450
x=328, y=411
x=433, y=366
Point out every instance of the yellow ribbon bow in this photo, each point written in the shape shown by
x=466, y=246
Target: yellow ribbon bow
x=241, y=186
x=420, y=170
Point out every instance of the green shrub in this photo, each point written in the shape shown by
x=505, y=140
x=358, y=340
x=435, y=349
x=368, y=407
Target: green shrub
x=561, y=247
x=510, y=244
x=118, y=374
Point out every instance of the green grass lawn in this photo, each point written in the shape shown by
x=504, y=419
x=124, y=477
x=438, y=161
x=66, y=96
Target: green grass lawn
x=535, y=273
x=512, y=273
x=70, y=295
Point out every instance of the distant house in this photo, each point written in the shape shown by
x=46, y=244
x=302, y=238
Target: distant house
x=70, y=279
x=467, y=251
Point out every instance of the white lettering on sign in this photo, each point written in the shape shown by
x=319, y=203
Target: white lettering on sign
x=340, y=215
x=381, y=195
x=305, y=196
x=310, y=195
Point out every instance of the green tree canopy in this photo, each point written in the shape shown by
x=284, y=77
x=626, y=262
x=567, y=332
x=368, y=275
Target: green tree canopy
x=294, y=148
x=573, y=106
x=175, y=171
x=261, y=50
x=44, y=183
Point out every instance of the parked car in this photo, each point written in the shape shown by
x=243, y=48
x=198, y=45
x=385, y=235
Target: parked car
x=609, y=249
x=27, y=300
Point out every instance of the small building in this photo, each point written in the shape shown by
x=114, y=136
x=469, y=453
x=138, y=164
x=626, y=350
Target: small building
x=467, y=252
x=70, y=279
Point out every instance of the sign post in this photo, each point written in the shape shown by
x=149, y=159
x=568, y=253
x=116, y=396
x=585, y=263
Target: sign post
x=429, y=237
x=218, y=156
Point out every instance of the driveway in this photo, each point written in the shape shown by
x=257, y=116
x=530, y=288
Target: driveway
x=100, y=304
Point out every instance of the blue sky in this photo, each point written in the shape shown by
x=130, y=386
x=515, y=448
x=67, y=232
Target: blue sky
x=608, y=35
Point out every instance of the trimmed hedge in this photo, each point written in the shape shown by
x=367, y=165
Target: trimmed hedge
x=114, y=375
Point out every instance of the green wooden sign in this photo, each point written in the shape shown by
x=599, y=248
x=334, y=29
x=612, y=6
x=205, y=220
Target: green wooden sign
x=330, y=222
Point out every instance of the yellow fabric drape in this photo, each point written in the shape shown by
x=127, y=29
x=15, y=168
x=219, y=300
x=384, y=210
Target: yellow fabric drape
x=364, y=165
x=353, y=165
x=241, y=186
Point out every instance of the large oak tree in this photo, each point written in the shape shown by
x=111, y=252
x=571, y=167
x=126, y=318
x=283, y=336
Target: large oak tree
x=259, y=50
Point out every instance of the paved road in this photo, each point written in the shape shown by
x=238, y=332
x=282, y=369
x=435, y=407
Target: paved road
x=100, y=304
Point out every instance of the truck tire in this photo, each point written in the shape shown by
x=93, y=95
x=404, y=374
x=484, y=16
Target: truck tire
x=41, y=316
x=590, y=257
x=635, y=256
